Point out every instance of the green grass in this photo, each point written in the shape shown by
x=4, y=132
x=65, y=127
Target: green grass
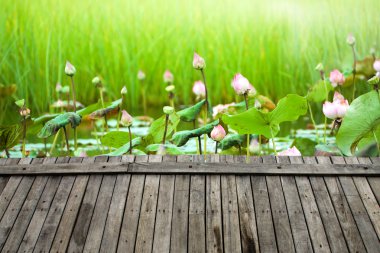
x=275, y=45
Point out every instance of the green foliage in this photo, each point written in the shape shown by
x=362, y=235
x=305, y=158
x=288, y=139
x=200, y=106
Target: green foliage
x=20, y=103
x=7, y=91
x=157, y=129
x=108, y=107
x=327, y=150
x=52, y=126
x=255, y=121
x=169, y=149
x=361, y=119
x=115, y=139
x=191, y=113
x=232, y=140
x=182, y=137
x=317, y=92
x=10, y=136
x=125, y=148
x=305, y=145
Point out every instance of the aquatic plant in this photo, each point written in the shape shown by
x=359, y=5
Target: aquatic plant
x=70, y=71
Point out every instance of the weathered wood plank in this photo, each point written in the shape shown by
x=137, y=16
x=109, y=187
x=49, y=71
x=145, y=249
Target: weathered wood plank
x=8, y=192
x=375, y=182
x=311, y=212
x=248, y=225
x=197, y=226
x=169, y=158
x=326, y=209
x=155, y=158
x=115, y=214
x=178, y=241
x=129, y=225
x=145, y=231
x=214, y=232
x=98, y=221
x=128, y=158
x=141, y=159
x=162, y=229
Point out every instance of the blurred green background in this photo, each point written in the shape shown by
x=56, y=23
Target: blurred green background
x=275, y=44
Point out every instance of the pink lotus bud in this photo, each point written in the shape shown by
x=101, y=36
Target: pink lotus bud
x=168, y=77
x=198, y=62
x=218, y=133
x=219, y=109
x=126, y=119
x=251, y=91
x=336, y=78
x=58, y=87
x=140, y=75
x=240, y=84
x=70, y=69
x=24, y=112
x=290, y=152
x=338, y=97
x=319, y=67
x=376, y=65
x=199, y=89
x=124, y=90
x=351, y=40
x=335, y=110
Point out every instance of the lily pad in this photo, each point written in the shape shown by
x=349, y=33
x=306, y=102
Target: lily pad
x=52, y=126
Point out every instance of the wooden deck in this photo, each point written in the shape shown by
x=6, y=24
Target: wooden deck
x=182, y=204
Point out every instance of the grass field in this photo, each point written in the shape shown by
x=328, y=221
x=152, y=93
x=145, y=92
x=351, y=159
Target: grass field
x=275, y=44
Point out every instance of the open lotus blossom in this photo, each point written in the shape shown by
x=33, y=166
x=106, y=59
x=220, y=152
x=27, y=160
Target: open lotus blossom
x=199, y=89
x=218, y=133
x=218, y=109
x=126, y=119
x=293, y=151
x=376, y=65
x=140, y=75
x=168, y=77
x=336, y=78
x=240, y=84
x=336, y=109
x=198, y=61
x=70, y=69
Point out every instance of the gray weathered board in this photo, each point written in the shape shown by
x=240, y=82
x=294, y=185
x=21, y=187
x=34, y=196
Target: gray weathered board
x=190, y=204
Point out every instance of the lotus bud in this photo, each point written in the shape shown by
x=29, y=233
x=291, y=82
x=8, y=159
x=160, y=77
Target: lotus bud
x=126, y=119
x=168, y=77
x=374, y=80
x=58, y=88
x=198, y=62
x=59, y=104
x=140, y=75
x=336, y=78
x=372, y=51
x=218, y=133
x=251, y=91
x=240, y=84
x=338, y=97
x=319, y=67
x=65, y=89
x=24, y=112
x=97, y=82
x=351, y=40
x=199, y=89
x=290, y=152
x=70, y=69
x=170, y=88
x=124, y=90
x=168, y=109
x=376, y=65
x=335, y=110
x=257, y=104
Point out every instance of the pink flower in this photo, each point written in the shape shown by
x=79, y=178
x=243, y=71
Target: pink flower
x=218, y=133
x=70, y=69
x=336, y=78
x=376, y=65
x=220, y=109
x=335, y=110
x=58, y=87
x=126, y=119
x=199, y=89
x=140, y=75
x=290, y=152
x=198, y=61
x=240, y=84
x=337, y=97
x=168, y=77
x=251, y=90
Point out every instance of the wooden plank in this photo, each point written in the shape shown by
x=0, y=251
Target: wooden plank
x=169, y=158
x=2, y=161
x=313, y=219
x=162, y=229
x=155, y=158
x=193, y=168
x=265, y=227
x=128, y=158
x=326, y=209
x=343, y=212
x=248, y=226
x=145, y=232
x=131, y=214
x=3, y=183
x=115, y=214
x=178, y=241
x=297, y=220
x=98, y=221
x=279, y=212
x=197, y=226
x=141, y=159
x=183, y=158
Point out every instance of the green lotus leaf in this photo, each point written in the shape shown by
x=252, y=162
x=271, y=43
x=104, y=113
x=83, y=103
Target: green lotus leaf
x=182, y=137
x=52, y=126
x=10, y=136
x=191, y=113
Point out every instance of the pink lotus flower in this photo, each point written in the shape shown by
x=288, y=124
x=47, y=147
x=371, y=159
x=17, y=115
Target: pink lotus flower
x=336, y=109
x=218, y=109
x=240, y=84
x=218, y=133
x=70, y=69
x=168, y=77
x=336, y=78
x=251, y=91
x=199, y=89
x=338, y=97
x=126, y=119
x=290, y=152
x=376, y=65
x=198, y=61
x=140, y=75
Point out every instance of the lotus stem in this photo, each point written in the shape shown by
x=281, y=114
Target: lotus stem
x=247, y=107
x=216, y=147
x=54, y=141
x=144, y=97
x=67, y=140
x=7, y=153
x=259, y=144
x=377, y=143
x=353, y=73
x=206, y=114
x=118, y=119
x=105, y=123
x=273, y=142
x=239, y=149
x=327, y=98
x=166, y=128
x=23, y=136
x=75, y=110
x=312, y=120
x=102, y=102
x=130, y=140
x=199, y=145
